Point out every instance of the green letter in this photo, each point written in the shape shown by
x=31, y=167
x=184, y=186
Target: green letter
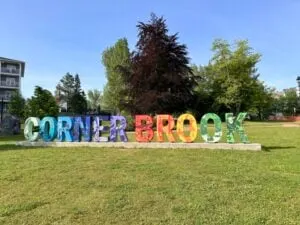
x=235, y=124
x=218, y=128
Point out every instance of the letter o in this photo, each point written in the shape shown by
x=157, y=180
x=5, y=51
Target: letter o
x=192, y=128
x=48, y=128
x=218, y=128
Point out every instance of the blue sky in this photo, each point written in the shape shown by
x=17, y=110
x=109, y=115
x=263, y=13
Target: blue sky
x=59, y=36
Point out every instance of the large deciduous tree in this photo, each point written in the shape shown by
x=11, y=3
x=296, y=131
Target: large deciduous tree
x=113, y=58
x=159, y=79
x=231, y=76
x=41, y=104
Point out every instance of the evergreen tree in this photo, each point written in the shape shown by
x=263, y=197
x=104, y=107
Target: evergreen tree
x=68, y=91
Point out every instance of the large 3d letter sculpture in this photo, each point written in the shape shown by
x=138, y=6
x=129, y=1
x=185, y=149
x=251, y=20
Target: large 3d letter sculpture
x=81, y=129
x=64, y=127
x=235, y=125
x=115, y=129
x=48, y=128
x=99, y=129
x=143, y=124
x=192, y=128
x=165, y=129
x=218, y=128
x=31, y=127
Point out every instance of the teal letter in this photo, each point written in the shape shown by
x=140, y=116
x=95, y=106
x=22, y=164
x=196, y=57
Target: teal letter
x=235, y=124
x=48, y=128
x=64, y=127
x=218, y=128
x=31, y=129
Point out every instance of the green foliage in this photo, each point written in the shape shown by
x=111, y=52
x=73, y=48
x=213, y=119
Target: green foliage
x=113, y=58
x=288, y=103
x=16, y=105
x=94, y=100
x=41, y=104
x=69, y=91
x=78, y=103
x=263, y=99
x=65, y=88
x=229, y=82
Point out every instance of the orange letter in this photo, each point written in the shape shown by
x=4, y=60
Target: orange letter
x=165, y=129
x=192, y=128
x=141, y=129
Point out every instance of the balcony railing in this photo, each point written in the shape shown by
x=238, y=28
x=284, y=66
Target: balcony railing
x=9, y=84
x=5, y=97
x=8, y=70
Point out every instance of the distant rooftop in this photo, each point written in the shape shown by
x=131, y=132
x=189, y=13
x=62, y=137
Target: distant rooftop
x=15, y=61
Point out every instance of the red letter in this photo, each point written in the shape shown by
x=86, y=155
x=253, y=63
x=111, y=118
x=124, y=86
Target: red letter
x=141, y=129
x=165, y=129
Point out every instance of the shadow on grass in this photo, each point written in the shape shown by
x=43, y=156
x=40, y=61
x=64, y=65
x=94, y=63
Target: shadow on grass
x=9, y=147
x=269, y=148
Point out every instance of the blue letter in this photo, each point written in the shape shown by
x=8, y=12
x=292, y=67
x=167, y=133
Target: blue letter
x=48, y=128
x=79, y=129
x=64, y=127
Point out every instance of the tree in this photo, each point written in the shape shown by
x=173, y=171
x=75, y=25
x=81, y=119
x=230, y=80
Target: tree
x=232, y=76
x=78, y=103
x=113, y=58
x=65, y=88
x=263, y=100
x=290, y=102
x=16, y=105
x=204, y=99
x=41, y=104
x=94, y=99
x=69, y=91
x=159, y=79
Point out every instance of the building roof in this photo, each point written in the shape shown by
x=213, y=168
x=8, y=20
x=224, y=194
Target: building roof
x=15, y=61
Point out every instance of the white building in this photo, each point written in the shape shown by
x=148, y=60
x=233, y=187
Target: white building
x=11, y=71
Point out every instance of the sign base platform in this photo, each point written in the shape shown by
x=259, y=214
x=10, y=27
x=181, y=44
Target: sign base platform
x=147, y=145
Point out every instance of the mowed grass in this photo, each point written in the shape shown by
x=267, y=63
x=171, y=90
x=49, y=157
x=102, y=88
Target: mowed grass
x=140, y=186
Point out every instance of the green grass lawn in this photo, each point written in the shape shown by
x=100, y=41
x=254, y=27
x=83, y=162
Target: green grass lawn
x=117, y=186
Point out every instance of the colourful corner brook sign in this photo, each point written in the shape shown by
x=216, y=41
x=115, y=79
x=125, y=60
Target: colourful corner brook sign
x=91, y=128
